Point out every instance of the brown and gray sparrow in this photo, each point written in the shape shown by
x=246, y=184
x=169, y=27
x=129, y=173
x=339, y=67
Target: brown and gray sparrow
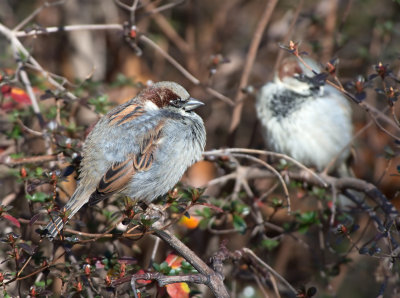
x=304, y=119
x=140, y=149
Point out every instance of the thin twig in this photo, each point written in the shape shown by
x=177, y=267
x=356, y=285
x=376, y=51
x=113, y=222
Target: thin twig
x=36, y=12
x=269, y=268
x=13, y=37
x=171, y=60
x=289, y=33
x=69, y=28
x=35, y=272
x=261, y=287
x=183, y=70
x=132, y=9
x=8, y=199
x=227, y=151
x=157, y=242
x=63, y=80
x=141, y=37
x=272, y=169
x=169, y=31
x=251, y=56
x=165, y=7
x=28, y=86
x=32, y=159
x=163, y=280
x=29, y=130
x=328, y=41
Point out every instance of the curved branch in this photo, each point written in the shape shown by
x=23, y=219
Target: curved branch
x=215, y=280
x=227, y=151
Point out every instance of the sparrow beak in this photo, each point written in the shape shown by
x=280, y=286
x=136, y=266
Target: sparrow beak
x=192, y=104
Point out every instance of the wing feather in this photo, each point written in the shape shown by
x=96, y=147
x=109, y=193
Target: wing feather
x=120, y=174
x=125, y=114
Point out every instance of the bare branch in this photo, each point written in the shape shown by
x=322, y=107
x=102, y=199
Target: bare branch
x=163, y=280
x=12, y=36
x=215, y=280
x=33, y=159
x=141, y=37
x=253, y=256
x=251, y=56
x=227, y=151
x=288, y=34
x=36, y=12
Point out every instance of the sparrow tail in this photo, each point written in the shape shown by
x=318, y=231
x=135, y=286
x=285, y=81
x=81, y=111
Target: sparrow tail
x=78, y=199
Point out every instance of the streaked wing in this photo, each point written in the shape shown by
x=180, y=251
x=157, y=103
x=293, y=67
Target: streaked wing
x=114, y=180
x=125, y=113
x=149, y=144
x=120, y=173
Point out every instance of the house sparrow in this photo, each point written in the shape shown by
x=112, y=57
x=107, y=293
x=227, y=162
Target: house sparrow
x=140, y=149
x=304, y=119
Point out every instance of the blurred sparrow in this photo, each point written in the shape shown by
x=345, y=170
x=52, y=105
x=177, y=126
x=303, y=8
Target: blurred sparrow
x=302, y=119
x=139, y=149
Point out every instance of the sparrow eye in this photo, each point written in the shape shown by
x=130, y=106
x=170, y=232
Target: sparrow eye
x=178, y=103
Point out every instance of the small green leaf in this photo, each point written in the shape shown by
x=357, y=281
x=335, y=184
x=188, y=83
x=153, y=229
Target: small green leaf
x=175, y=271
x=276, y=203
x=40, y=284
x=52, y=112
x=270, y=244
x=16, y=155
x=164, y=268
x=203, y=224
x=239, y=224
x=239, y=207
x=308, y=217
x=303, y=229
x=187, y=268
x=122, y=80
x=319, y=192
x=156, y=266
x=15, y=133
x=108, y=214
x=206, y=212
x=100, y=103
x=37, y=197
x=306, y=220
x=39, y=171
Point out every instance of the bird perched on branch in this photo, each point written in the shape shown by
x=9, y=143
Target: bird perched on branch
x=304, y=118
x=140, y=149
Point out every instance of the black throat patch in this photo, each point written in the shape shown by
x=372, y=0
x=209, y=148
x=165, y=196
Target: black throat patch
x=284, y=103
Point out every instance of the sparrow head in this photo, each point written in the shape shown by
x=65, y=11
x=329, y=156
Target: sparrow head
x=289, y=68
x=295, y=76
x=169, y=95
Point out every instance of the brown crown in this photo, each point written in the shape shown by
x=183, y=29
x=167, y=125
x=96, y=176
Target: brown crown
x=160, y=96
x=289, y=68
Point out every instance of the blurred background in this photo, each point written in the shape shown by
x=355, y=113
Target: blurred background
x=210, y=40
